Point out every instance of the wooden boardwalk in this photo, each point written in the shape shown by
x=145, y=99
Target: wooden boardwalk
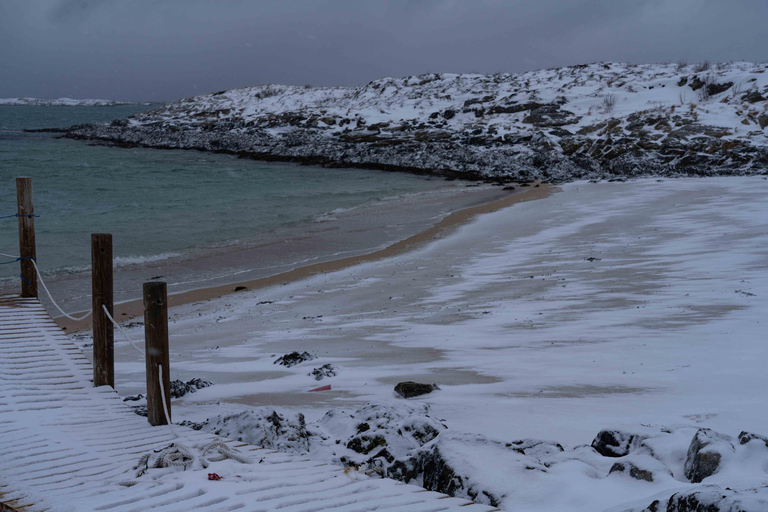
x=66, y=445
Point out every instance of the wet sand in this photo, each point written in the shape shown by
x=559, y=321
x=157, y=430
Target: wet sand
x=134, y=308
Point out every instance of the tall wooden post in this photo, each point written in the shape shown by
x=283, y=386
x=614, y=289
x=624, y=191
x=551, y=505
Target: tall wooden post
x=27, y=249
x=156, y=335
x=102, y=294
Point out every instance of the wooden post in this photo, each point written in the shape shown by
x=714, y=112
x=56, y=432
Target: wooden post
x=27, y=249
x=102, y=294
x=156, y=335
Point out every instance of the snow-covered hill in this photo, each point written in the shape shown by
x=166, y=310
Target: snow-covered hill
x=598, y=120
x=65, y=102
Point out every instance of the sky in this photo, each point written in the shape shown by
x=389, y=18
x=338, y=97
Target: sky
x=161, y=50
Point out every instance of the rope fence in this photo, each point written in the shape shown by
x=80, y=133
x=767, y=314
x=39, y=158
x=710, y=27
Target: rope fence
x=18, y=215
x=101, y=245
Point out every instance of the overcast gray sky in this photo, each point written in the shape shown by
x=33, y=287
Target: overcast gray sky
x=169, y=49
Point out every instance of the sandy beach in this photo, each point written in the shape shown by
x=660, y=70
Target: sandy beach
x=357, y=232
x=547, y=284
x=631, y=306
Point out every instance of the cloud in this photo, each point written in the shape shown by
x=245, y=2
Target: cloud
x=167, y=49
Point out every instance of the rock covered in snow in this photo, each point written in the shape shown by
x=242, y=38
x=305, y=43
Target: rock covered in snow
x=327, y=370
x=401, y=440
x=705, y=453
x=595, y=121
x=294, y=358
x=615, y=443
x=262, y=428
x=745, y=437
x=641, y=467
x=180, y=388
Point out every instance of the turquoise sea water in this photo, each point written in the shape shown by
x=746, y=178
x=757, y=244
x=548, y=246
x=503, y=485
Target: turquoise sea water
x=157, y=204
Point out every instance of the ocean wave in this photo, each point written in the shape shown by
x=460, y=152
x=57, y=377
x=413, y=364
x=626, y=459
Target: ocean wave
x=124, y=261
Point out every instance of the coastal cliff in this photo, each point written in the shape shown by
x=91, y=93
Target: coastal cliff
x=596, y=121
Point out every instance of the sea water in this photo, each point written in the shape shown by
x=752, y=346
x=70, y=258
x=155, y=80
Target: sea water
x=159, y=204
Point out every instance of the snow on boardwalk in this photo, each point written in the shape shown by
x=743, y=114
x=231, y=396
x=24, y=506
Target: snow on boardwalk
x=65, y=445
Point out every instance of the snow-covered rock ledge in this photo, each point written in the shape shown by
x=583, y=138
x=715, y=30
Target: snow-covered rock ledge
x=595, y=121
x=681, y=468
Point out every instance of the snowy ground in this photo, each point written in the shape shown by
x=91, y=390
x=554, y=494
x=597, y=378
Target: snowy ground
x=638, y=306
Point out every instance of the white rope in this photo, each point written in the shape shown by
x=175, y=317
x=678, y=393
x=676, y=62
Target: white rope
x=9, y=255
x=106, y=311
x=53, y=301
x=162, y=395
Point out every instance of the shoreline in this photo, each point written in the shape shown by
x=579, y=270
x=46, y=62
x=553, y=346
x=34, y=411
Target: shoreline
x=134, y=308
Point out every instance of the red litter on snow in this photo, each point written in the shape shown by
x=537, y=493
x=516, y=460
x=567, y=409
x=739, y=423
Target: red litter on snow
x=321, y=388
x=213, y=476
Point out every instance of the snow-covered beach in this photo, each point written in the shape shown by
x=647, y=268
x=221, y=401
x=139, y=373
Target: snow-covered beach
x=631, y=306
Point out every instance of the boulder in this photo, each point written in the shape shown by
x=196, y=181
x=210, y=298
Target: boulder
x=641, y=467
x=746, y=437
x=763, y=120
x=615, y=443
x=632, y=470
x=705, y=454
x=411, y=389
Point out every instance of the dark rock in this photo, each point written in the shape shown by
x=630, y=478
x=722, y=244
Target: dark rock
x=193, y=425
x=327, y=370
x=705, y=453
x=634, y=471
x=615, y=443
x=136, y=398
x=682, y=82
x=240, y=288
x=366, y=443
x=383, y=455
x=513, y=109
x=294, y=358
x=559, y=132
x=763, y=120
x=180, y=388
x=697, y=83
x=411, y=389
x=141, y=410
x=439, y=476
x=714, y=89
x=746, y=437
x=404, y=470
x=449, y=114
x=550, y=115
x=753, y=97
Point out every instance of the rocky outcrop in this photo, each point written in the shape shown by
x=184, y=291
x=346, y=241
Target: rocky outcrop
x=713, y=498
x=600, y=121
